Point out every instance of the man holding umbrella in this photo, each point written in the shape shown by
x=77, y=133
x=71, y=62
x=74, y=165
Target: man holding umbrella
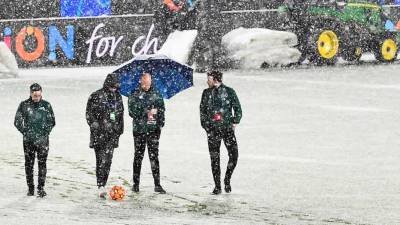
x=104, y=115
x=146, y=107
x=145, y=93
x=220, y=112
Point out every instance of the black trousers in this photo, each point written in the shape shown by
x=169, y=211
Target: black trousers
x=104, y=155
x=32, y=149
x=215, y=137
x=152, y=141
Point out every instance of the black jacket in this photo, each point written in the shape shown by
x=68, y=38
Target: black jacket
x=104, y=115
x=139, y=103
x=219, y=101
x=35, y=120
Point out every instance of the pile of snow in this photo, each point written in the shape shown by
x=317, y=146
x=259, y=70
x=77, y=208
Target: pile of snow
x=178, y=45
x=8, y=63
x=256, y=46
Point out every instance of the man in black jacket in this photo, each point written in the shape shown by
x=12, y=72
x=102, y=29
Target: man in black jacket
x=104, y=115
x=146, y=107
x=35, y=120
x=220, y=113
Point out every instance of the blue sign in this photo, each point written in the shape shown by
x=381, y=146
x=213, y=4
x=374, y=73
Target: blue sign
x=78, y=8
x=389, y=25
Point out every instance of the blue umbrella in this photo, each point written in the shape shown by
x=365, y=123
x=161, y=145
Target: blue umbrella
x=169, y=77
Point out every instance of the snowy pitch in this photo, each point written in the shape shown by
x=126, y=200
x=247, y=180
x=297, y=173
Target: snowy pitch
x=316, y=146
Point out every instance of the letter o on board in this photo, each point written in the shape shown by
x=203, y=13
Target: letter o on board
x=19, y=43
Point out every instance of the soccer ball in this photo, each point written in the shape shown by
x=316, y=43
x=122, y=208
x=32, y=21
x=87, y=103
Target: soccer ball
x=117, y=193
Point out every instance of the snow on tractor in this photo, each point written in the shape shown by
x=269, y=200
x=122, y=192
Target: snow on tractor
x=329, y=29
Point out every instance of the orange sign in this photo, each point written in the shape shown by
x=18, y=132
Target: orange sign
x=19, y=43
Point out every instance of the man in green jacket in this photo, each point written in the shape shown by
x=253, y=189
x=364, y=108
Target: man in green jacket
x=35, y=120
x=146, y=107
x=220, y=112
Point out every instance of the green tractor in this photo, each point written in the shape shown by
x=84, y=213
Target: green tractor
x=329, y=29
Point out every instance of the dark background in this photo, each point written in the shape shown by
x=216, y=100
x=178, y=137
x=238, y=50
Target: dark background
x=25, y=9
x=131, y=27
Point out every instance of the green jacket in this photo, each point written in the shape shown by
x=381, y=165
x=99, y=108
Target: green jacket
x=139, y=104
x=219, y=108
x=34, y=120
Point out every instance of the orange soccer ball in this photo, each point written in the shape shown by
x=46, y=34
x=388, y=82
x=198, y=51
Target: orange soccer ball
x=117, y=193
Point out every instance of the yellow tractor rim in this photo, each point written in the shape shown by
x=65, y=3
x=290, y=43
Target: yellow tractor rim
x=328, y=44
x=358, y=51
x=389, y=49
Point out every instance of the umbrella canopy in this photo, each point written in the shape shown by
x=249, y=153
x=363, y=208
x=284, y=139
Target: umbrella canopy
x=169, y=77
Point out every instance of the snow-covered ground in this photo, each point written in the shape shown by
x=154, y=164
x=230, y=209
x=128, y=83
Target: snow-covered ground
x=316, y=146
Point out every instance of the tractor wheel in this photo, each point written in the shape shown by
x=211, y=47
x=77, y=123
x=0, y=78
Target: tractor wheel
x=352, y=54
x=324, y=47
x=386, y=50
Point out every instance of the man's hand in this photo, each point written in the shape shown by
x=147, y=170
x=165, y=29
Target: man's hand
x=234, y=126
x=94, y=125
x=108, y=127
x=151, y=113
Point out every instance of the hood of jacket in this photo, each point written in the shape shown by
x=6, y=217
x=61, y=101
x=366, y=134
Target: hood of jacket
x=111, y=80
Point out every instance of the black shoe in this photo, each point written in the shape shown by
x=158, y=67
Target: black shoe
x=159, y=189
x=135, y=188
x=102, y=192
x=216, y=191
x=41, y=193
x=31, y=191
x=228, y=188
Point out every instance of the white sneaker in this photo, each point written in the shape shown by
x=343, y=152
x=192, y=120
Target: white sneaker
x=102, y=192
